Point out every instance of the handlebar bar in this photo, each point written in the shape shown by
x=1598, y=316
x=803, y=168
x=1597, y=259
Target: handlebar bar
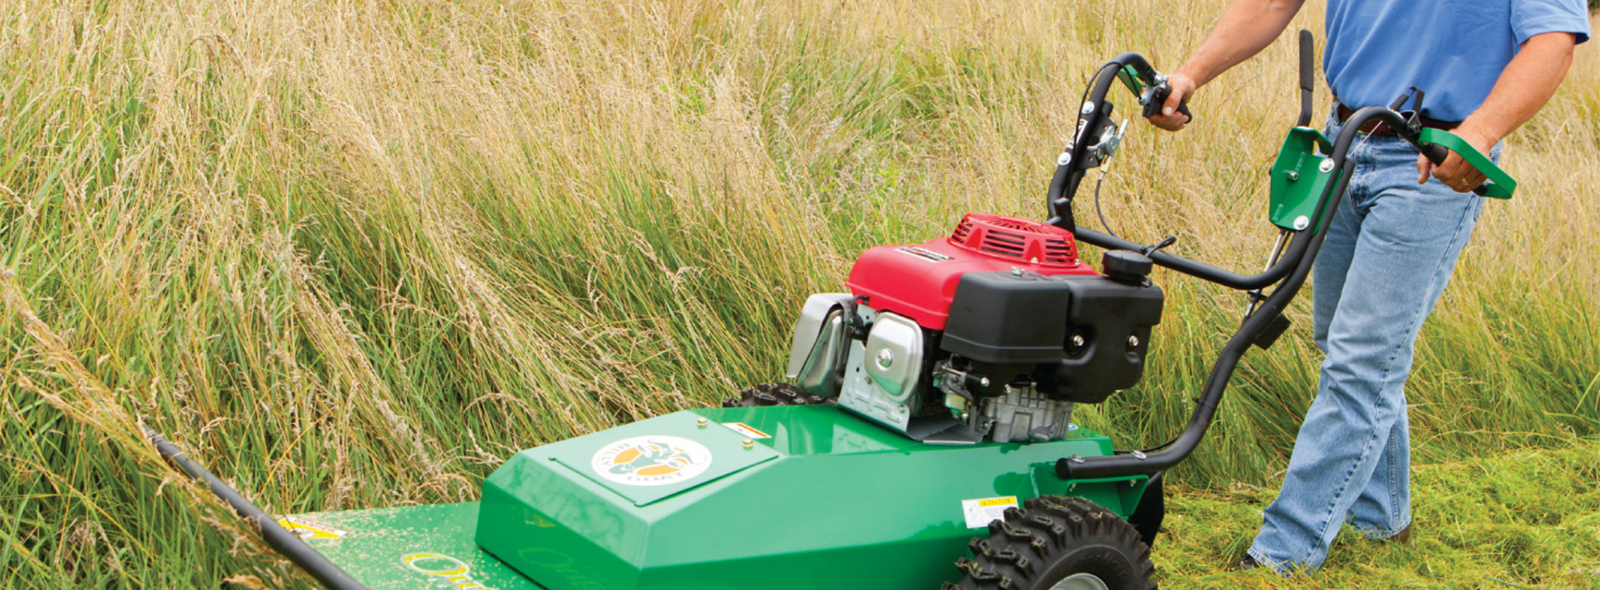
x=1308, y=78
x=1299, y=259
x=1145, y=82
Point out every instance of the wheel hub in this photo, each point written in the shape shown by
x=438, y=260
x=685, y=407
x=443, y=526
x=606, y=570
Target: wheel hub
x=1081, y=582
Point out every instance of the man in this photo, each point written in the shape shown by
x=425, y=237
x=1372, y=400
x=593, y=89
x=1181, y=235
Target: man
x=1486, y=66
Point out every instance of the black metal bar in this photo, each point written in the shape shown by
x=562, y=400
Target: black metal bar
x=1205, y=271
x=1139, y=64
x=1078, y=467
x=1064, y=183
x=279, y=539
x=1308, y=79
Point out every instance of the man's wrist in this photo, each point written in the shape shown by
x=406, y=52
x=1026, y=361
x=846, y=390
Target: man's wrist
x=1481, y=134
x=1187, y=70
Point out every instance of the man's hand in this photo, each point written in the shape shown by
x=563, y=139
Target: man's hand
x=1246, y=27
x=1169, y=118
x=1455, y=172
x=1526, y=84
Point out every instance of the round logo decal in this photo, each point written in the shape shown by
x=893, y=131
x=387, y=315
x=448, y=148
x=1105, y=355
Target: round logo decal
x=651, y=460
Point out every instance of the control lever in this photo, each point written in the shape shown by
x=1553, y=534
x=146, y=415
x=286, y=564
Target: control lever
x=1437, y=153
x=1156, y=96
x=1428, y=140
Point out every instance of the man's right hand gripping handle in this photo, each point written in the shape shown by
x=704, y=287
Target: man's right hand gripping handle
x=1171, y=99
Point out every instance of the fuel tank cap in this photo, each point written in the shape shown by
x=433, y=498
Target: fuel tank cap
x=1126, y=266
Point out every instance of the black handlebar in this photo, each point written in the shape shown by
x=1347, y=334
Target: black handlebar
x=1076, y=160
x=1300, y=257
x=1436, y=153
x=1308, y=78
x=1289, y=273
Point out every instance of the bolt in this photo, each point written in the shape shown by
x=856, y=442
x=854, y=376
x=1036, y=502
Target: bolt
x=1077, y=339
x=1138, y=455
x=702, y=422
x=749, y=443
x=1326, y=166
x=1064, y=159
x=1077, y=459
x=885, y=358
x=1133, y=341
x=1293, y=176
x=1016, y=272
x=984, y=381
x=1302, y=222
x=1088, y=107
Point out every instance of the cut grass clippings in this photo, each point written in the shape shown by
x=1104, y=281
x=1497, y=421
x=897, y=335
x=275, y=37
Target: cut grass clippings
x=1527, y=519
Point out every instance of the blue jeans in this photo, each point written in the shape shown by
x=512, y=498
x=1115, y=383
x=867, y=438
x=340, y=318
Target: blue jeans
x=1389, y=253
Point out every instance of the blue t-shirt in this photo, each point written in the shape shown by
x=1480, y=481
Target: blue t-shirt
x=1454, y=50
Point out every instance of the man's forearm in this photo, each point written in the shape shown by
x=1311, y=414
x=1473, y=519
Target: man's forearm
x=1246, y=28
x=1524, y=86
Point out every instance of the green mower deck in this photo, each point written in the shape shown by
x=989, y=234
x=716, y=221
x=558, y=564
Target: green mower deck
x=775, y=498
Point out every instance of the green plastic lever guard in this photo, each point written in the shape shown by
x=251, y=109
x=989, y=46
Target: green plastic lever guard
x=1130, y=78
x=1500, y=185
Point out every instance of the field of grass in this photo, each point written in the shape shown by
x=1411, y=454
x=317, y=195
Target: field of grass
x=355, y=254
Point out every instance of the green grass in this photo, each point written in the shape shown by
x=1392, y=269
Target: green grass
x=355, y=256
x=1527, y=519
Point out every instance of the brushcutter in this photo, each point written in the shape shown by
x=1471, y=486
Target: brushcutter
x=927, y=419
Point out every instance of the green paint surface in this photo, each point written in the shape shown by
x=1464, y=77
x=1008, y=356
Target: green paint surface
x=827, y=501
x=376, y=544
x=723, y=444
x=1297, y=179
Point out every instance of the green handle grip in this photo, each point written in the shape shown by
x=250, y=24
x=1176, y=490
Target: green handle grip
x=1500, y=185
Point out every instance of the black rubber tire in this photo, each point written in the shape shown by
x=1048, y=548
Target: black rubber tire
x=1050, y=538
x=774, y=394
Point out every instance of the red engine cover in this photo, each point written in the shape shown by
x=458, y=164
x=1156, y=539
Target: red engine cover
x=920, y=281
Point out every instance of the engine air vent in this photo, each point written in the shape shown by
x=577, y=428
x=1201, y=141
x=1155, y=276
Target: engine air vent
x=1024, y=241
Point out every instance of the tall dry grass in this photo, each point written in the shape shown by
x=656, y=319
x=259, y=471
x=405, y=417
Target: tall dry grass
x=355, y=254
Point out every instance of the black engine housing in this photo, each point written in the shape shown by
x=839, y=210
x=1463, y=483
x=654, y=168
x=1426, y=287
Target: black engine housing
x=1018, y=322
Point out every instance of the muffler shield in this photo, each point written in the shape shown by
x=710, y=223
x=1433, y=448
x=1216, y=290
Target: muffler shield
x=817, y=355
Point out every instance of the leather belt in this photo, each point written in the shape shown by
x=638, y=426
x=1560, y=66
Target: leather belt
x=1379, y=128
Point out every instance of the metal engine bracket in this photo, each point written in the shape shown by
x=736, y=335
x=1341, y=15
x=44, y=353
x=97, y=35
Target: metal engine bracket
x=883, y=375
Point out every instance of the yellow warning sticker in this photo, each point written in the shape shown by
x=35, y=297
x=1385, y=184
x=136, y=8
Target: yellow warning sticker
x=310, y=530
x=979, y=512
x=746, y=430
